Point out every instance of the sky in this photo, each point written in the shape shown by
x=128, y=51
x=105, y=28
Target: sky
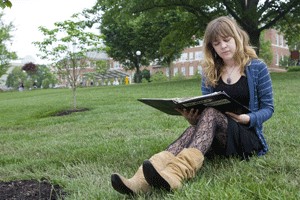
x=28, y=15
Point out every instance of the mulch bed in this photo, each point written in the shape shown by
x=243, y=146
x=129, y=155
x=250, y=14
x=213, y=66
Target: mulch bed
x=34, y=189
x=30, y=190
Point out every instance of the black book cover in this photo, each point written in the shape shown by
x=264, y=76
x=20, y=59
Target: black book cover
x=218, y=100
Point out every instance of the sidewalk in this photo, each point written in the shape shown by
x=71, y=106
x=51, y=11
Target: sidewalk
x=275, y=69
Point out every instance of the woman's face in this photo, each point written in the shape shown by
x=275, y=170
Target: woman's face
x=225, y=47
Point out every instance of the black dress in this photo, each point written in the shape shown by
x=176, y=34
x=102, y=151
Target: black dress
x=241, y=140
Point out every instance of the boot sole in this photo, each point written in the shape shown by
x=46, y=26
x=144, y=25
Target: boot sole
x=119, y=186
x=153, y=177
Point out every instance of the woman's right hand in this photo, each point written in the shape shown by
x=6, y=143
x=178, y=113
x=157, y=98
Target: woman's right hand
x=192, y=116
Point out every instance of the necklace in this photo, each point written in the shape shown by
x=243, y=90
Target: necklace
x=228, y=80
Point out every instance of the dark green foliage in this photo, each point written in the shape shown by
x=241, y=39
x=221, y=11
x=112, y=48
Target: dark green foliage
x=132, y=21
x=159, y=77
x=293, y=68
x=5, y=3
x=5, y=37
x=41, y=77
x=146, y=74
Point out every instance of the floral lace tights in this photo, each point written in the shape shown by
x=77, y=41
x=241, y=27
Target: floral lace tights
x=212, y=125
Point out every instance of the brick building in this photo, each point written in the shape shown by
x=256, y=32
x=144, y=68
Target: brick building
x=278, y=46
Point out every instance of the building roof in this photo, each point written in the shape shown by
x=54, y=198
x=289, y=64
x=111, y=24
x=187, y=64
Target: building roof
x=97, y=55
x=111, y=73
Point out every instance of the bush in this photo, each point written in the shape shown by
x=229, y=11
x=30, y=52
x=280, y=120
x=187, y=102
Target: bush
x=146, y=75
x=28, y=83
x=293, y=69
x=287, y=62
x=159, y=77
x=46, y=83
x=178, y=77
x=197, y=75
x=144, y=80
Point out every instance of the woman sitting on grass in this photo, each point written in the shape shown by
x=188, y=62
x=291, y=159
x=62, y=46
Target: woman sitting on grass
x=231, y=65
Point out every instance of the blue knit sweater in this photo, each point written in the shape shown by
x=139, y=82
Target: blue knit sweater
x=261, y=102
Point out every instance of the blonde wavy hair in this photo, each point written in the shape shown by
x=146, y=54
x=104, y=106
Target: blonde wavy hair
x=212, y=63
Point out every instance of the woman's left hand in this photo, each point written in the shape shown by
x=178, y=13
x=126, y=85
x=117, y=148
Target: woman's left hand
x=192, y=116
x=242, y=119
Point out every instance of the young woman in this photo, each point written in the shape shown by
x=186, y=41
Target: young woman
x=230, y=65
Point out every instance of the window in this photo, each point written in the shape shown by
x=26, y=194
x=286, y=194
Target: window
x=183, y=71
x=167, y=72
x=191, y=55
x=116, y=65
x=175, y=71
x=191, y=70
x=281, y=40
x=198, y=55
x=184, y=57
x=199, y=69
x=277, y=58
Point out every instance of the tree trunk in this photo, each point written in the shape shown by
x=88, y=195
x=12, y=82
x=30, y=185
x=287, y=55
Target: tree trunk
x=247, y=16
x=74, y=97
x=138, y=76
x=169, y=69
x=254, y=39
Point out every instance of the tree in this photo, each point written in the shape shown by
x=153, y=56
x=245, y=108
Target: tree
x=169, y=50
x=290, y=26
x=30, y=68
x=67, y=46
x=265, y=50
x=5, y=3
x=5, y=38
x=44, y=77
x=16, y=78
x=125, y=35
x=254, y=16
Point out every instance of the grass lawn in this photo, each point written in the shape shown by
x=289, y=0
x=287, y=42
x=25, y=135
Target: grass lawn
x=80, y=151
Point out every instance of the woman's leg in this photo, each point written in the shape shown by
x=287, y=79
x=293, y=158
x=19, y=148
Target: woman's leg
x=189, y=149
x=212, y=125
x=178, y=145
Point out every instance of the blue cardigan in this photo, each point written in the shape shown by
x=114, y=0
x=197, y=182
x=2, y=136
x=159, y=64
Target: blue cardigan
x=261, y=102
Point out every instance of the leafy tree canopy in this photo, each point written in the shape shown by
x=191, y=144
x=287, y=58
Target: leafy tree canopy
x=67, y=46
x=254, y=16
x=5, y=3
x=5, y=39
x=290, y=27
x=30, y=68
x=150, y=33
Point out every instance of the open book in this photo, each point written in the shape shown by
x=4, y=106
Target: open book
x=218, y=100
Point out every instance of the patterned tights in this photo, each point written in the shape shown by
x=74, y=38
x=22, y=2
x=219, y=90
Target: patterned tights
x=212, y=125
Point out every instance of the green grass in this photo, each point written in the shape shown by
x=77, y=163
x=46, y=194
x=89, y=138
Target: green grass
x=80, y=151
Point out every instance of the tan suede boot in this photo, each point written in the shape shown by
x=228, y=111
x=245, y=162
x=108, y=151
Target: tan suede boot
x=138, y=184
x=183, y=166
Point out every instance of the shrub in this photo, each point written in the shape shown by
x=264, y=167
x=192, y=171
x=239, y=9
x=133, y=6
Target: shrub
x=178, y=77
x=46, y=83
x=146, y=75
x=293, y=69
x=197, y=75
x=144, y=80
x=159, y=77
